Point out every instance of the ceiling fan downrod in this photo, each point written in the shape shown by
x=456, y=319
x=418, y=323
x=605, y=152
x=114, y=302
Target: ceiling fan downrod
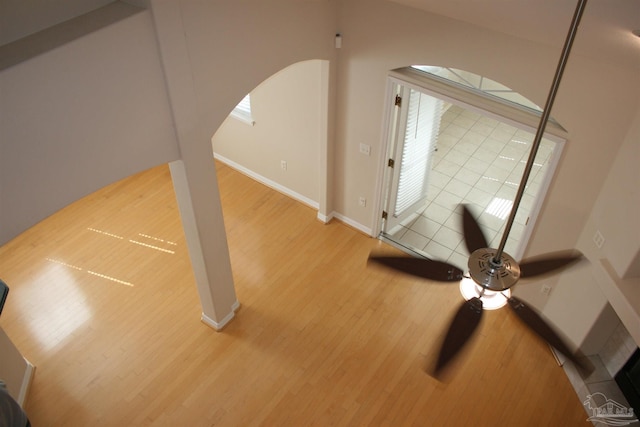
x=497, y=258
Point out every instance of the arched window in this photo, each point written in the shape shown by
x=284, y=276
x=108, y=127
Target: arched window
x=477, y=83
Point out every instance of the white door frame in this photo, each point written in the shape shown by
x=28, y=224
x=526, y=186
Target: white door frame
x=397, y=147
x=499, y=111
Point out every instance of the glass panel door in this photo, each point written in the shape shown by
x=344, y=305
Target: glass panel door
x=471, y=156
x=417, y=132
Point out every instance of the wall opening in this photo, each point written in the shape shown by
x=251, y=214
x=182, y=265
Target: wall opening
x=475, y=145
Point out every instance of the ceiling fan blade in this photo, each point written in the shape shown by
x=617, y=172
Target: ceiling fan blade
x=473, y=236
x=464, y=323
x=548, y=263
x=538, y=325
x=420, y=267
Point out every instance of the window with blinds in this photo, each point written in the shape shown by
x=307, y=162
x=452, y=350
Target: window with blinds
x=423, y=122
x=243, y=110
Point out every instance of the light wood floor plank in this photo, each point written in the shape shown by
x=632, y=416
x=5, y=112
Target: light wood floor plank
x=103, y=302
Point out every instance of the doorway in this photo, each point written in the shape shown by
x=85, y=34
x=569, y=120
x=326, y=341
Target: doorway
x=445, y=152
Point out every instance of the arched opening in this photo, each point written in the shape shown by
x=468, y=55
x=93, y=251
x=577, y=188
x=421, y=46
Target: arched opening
x=454, y=137
x=284, y=145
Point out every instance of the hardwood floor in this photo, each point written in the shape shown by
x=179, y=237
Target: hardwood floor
x=103, y=302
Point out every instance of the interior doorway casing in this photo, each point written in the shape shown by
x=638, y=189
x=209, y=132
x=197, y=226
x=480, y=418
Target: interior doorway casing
x=412, y=138
x=496, y=109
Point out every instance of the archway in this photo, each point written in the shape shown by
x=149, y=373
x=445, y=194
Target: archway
x=453, y=138
x=285, y=144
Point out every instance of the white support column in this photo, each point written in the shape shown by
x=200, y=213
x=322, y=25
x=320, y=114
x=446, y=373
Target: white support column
x=194, y=177
x=217, y=293
x=16, y=371
x=325, y=209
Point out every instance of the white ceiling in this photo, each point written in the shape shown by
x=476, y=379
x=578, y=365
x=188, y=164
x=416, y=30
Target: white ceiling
x=604, y=33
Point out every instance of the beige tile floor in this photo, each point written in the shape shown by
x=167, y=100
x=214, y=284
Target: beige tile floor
x=479, y=162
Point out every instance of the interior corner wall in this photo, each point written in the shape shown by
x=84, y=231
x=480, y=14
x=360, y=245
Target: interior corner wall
x=617, y=210
x=79, y=117
x=286, y=109
x=615, y=215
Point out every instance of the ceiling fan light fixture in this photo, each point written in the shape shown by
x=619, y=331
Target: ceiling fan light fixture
x=491, y=300
x=493, y=274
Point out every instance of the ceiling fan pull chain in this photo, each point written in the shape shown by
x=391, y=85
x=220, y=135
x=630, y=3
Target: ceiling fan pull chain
x=543, y=123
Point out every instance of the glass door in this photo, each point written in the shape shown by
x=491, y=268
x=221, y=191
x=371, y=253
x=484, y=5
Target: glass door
x=417, y=123
x=443, y=153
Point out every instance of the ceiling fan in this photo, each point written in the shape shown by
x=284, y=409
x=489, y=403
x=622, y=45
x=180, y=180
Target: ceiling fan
x=494, y=272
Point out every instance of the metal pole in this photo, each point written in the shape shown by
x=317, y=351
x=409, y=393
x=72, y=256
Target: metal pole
x=543, y=123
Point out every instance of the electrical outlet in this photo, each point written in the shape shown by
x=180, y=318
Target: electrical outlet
x=545, y=290
x=365, y=149
x=362, y=202
x=598, y=239
x=283, y=165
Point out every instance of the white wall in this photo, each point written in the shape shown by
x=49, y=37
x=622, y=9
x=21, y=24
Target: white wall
x=80, y=117
x=287, y=111
x=616, y=213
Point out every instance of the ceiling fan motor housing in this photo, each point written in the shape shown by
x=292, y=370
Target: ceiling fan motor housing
x=496, y=275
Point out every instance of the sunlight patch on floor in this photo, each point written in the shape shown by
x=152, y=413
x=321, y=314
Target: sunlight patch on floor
x=93, y=273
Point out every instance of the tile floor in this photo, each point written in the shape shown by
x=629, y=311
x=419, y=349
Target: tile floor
x=479, y=162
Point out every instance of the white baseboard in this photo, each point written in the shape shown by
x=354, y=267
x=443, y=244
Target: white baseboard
x=351, y=223
x=296, y=196
x=268, y=182
x=221, y=324
x=325, y=218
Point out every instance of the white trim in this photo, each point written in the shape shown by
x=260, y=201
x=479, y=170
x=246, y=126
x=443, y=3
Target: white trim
x=219, y=325
x=26, y=382
x=324, y=192
x=325, y=218
x=352, y=223
x=381, y=176
x=266, y=181
x=476, y=101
